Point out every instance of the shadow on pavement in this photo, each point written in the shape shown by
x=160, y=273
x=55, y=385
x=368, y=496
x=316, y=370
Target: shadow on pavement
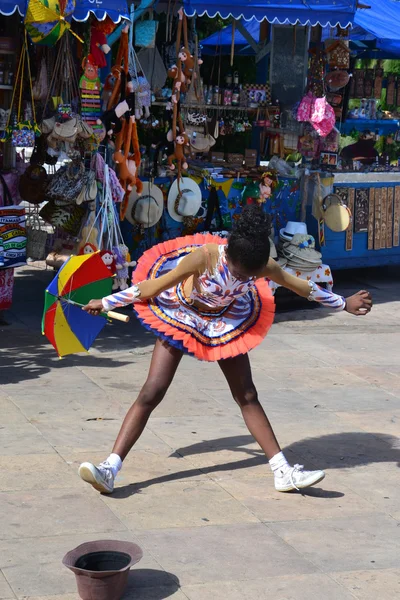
x=334, y=451
x=149, y=584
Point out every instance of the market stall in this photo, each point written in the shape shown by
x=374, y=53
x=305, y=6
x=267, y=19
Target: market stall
x=147, y=139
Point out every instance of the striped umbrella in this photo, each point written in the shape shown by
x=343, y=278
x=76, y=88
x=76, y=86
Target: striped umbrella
x=65, y=324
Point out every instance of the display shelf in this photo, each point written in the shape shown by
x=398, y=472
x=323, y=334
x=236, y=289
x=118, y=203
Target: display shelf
x=6, y=87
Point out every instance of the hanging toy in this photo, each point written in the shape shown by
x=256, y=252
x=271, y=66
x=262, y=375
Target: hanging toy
x=128, y=163
x=108, y=259
x=143, y=98
x=99, y=47
x=123, y=261
x=87, y=248
x=181, y=142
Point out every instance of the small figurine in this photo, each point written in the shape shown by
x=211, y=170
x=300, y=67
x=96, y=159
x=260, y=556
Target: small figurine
x=268, y=183
x=90, y=79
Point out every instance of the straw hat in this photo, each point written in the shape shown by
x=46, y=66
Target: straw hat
x=190, y=201
x=292, y=228
x=337, y=216
x=146, y=209
x=301, y=252
x=272, y=249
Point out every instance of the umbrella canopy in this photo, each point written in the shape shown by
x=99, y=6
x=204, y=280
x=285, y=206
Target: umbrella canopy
x=65, y=324
x=46, y=21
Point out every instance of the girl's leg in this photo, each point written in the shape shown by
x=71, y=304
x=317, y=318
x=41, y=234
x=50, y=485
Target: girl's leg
x=237, y=372
x=164, y=364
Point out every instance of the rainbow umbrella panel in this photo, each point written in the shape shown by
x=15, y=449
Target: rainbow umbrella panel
x=65, y=324
x=46, y=21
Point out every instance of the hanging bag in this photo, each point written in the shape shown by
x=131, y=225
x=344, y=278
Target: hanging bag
x=36, y=238
x=145, y=33
x=22, y=133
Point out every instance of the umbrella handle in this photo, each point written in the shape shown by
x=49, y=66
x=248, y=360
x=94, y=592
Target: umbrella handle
x=117, y=316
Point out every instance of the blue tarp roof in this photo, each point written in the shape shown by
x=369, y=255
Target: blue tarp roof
x=382, y=19
x=115, y=9
x=312, y=12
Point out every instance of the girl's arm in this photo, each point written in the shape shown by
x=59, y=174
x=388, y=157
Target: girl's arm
x=359, y=304
x=194, y=263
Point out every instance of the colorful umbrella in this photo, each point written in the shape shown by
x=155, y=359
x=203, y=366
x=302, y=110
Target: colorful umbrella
x=46, y=21
x=65, y=324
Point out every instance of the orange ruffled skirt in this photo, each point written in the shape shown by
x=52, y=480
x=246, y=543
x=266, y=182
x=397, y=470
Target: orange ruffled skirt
x=211, y=336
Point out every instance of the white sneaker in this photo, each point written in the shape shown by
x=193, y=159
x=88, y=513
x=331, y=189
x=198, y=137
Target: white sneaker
x=101, y=477
x=297, y=479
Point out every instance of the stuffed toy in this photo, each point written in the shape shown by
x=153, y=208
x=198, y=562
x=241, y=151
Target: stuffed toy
x=187, y=61
x=107, y=91
x=135, y=158
x=121, y=66
x=181, y=141
x=87, y=248
x=143, y=98
x=123, y=261
x=108, y=259
x=128, y=163
x=111, y=118
x=98, y=45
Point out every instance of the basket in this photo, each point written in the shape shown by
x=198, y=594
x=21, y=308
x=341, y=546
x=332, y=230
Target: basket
x=36, y=239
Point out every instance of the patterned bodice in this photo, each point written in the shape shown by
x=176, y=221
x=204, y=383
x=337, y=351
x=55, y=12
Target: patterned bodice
x=219, y=288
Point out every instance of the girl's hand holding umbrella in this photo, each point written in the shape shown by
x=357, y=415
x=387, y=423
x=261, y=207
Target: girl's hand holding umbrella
x=95, y=308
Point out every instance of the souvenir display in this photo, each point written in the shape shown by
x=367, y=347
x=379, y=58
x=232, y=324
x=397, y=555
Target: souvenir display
x=112, y=156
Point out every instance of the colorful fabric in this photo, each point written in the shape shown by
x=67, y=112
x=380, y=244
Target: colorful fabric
x=322, y=274
x=46, y=21
x=245, y=309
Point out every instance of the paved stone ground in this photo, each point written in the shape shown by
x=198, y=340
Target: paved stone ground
x=196, y=493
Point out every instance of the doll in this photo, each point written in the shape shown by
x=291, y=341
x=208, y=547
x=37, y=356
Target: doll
x=98, y=45
x=123, y=261
x=267, y=185
x=108, y=259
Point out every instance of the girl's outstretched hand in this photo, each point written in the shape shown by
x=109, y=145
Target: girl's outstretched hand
x=359, y=304
x=95, y=307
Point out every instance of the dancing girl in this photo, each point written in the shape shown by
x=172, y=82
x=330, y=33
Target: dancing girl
x=210, y=299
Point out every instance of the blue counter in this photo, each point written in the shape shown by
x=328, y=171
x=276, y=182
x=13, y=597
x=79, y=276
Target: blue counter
x=384, y=126
x=334, y=251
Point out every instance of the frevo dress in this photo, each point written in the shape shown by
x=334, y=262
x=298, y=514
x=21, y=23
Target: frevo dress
x=238, y=316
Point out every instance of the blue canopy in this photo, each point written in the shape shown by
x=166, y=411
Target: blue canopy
x=382, y=19
x=279, y=12
x=115, y=9
x=8, y=7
